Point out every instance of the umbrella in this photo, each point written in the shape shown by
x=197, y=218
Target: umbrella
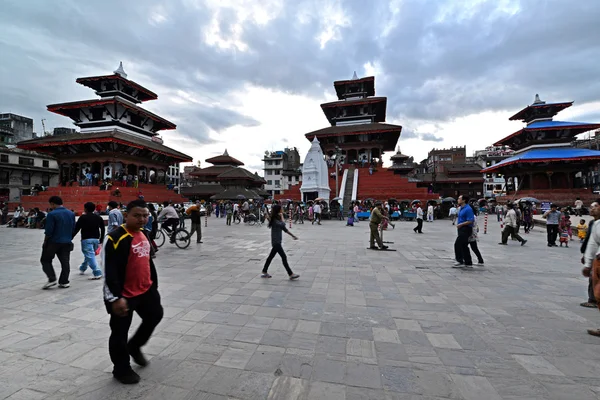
x=241, y=197
x=337, y=199
x=369, y=199
x=448, y=200
x=480, y=200
x=415, y=201
x=404, y=201
x=528, y=199
x=319, y=199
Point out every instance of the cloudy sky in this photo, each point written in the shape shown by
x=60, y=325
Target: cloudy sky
x=249, y=75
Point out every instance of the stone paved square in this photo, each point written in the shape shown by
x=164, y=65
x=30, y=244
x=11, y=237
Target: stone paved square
x=358, y=324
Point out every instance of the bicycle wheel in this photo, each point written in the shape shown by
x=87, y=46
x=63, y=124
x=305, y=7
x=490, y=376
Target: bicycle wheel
x=160, y=238
x=182, y=238
x=251, y=221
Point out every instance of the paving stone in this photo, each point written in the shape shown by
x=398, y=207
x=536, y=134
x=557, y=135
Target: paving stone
x=512, y=329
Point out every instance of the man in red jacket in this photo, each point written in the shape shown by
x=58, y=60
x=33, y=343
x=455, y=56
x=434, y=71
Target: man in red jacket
x=131, y=284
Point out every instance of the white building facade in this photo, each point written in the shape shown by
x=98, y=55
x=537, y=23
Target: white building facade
x=493, y=183
x=21, y=170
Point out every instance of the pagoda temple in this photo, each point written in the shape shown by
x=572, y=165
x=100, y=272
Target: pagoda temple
x=357, y=123
x=117, y=137
x=401, y=163
x=544, y=164
x=224, y=180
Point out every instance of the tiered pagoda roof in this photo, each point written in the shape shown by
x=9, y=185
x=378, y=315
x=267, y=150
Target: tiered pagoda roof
x=112, y=127
x=224, y=159
x=544, y=140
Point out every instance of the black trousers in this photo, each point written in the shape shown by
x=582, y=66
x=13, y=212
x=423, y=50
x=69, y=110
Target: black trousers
x=63, y=252
x=461, y=245
x=277, y=249
x=197, y=228
x=552, y=233
x=419, y=226
x=150, y=310
x=510, y=231
x=475, y=249
x=171, y=225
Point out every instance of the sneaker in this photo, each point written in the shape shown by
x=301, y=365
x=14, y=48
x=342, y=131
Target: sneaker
x=384, y=247
x=458, y=265
x=81, y=272
x=480, y=262
x=138, y=357
x=95, y=278
x=128, y=378
x=523, y=242
x=49, y=284
x=265, y=275
x=64, y=285
x=293, y=277
x=503, y=244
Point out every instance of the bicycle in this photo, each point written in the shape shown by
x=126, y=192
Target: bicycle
x=182, y=237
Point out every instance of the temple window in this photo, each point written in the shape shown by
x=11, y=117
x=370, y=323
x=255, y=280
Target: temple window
x=26, y=177
x=45, y=180
x=45, y=163
x=3, y=177
x=26, y=161
x=135, y=120
x=3, y=158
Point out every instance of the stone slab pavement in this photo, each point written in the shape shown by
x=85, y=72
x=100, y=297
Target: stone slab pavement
x=359, y=324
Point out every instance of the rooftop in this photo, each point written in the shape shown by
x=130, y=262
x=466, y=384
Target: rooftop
x=563, y=154
x=224, y=159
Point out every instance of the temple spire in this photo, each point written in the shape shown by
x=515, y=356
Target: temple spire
x=354, y=76
x=120, y=70
x=226, y=153
x=537, y=100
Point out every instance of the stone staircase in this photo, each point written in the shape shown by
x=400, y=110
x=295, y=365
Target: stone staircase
x=75, y=196
x=348, y=190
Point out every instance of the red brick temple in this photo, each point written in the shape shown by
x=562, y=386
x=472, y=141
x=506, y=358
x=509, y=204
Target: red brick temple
x=117, y=138
x=359, y=134
x=544, y=165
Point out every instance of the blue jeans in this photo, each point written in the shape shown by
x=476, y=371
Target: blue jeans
x=88, y=248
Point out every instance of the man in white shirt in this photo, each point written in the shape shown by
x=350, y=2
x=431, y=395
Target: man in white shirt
x=510, y=227
x=317, y=212
x=453, y=213
x=419, y=226
x=246, y=208
x=430, y=213
x=578, y=205
x=115, y=216
x=171, y=219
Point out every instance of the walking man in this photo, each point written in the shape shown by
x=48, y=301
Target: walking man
x=419, y=227
x=464, y=227
x=552, y=218
x=60, y=223
x=317, y=211
x=430, y=213
x=453, y=214
x=92, y=234
x=377, y=218
x=115, y=216
x=131, y=284
x=578, y=205
x=194, y=213
x=510, y=227
x=594, y=212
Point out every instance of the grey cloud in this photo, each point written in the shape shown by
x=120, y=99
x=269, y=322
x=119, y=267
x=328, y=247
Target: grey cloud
x=408, y=134
x=430, y=137
x=436, y=65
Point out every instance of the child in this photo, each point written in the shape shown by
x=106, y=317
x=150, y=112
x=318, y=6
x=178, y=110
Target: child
x=582, y=230
x=277, y=225
x=564, y=237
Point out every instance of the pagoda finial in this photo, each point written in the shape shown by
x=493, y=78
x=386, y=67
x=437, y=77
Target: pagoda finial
x=537, y=100
x=120, y=70
x=226, y=153
x=354, y=76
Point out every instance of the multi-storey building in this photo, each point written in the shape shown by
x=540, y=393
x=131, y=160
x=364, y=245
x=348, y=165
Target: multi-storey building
x=21, y=170
x=14, y=128
x=494, y=183
x=282, y=169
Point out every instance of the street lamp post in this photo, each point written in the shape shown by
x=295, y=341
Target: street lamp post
x=337, y=158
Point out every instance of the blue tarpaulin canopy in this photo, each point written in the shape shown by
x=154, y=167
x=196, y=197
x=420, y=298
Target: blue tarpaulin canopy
x=540, y=155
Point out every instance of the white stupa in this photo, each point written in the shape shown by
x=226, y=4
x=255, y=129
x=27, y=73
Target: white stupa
x=315, y=182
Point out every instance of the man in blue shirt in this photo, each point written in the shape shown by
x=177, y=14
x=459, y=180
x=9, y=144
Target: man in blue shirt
x=59, y=227
x=464, y=226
